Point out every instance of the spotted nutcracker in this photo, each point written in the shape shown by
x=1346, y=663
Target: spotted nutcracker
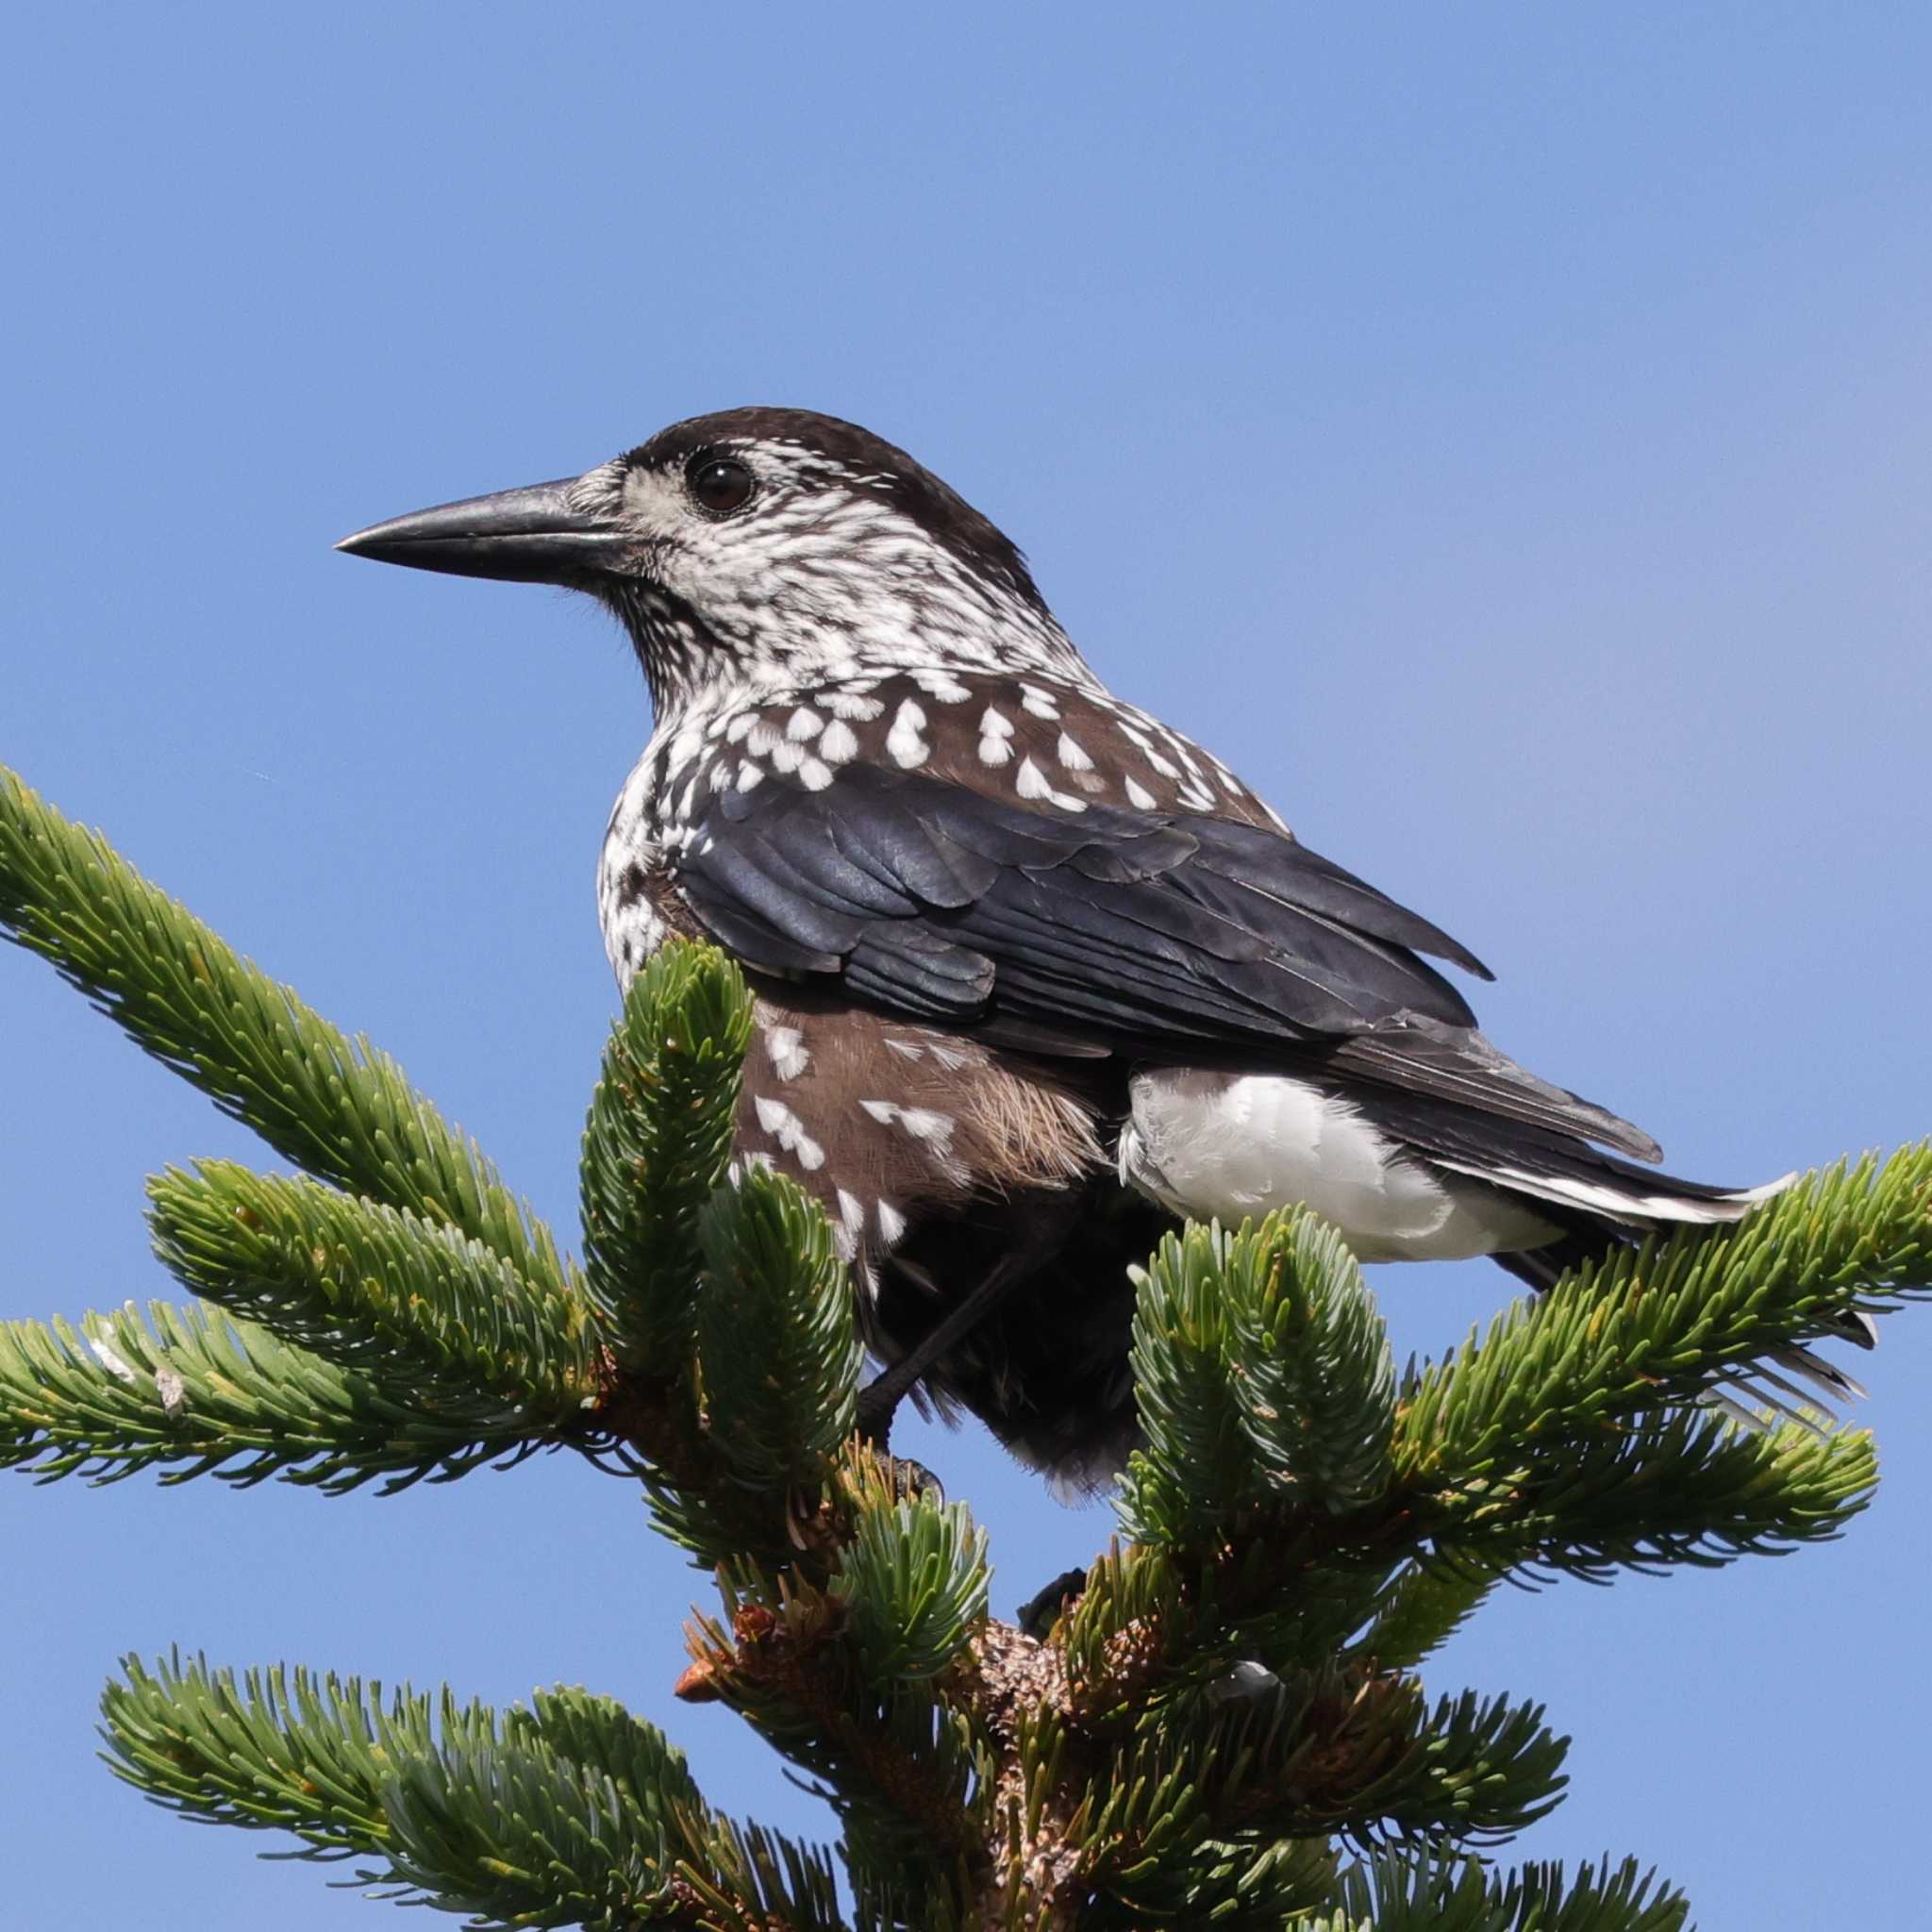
x=1035, y=974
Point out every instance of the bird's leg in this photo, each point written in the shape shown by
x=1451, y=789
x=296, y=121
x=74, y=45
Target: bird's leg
x=880, y=1397
x=1049, y=1228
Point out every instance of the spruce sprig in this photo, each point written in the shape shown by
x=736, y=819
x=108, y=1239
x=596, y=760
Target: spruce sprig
x=1210, y=1730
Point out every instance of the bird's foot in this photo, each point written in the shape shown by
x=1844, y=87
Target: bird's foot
x=1041, y=1611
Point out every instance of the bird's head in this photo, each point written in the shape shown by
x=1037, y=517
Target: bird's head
x=753, y=548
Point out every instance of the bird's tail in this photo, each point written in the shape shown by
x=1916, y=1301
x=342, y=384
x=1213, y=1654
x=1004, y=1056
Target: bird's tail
x=1794, y=1384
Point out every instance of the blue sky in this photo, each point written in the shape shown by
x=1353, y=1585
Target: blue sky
x=1501, y=434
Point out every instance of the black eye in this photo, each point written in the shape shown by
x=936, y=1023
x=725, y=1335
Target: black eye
x=718, y=484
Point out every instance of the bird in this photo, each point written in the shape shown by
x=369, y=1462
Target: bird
x=1036, y=977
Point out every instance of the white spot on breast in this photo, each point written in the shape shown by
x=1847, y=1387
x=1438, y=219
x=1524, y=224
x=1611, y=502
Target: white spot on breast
x=786, y=1050
x=1139, y=796
x=892, y=1223
x=995, y=737
x=748, y=775
x=742, y=726
x=942, y=685
x=804, y=722
x=1166, y=767
x=1038, y=702
x=852, y=705
x=814, y=775
x=764, y=740
x=850, y=1226
x=1031, y=782
x=1073, y=753
x=839, y=743
x=906, y=747
x=789, y=1131
x=786, y=757
x=905, y=1049
x=952, y=1058
x=923, y=1123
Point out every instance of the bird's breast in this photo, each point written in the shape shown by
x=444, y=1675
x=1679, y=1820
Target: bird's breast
x=890, y=1123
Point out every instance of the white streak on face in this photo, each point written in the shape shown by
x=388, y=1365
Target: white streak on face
x=786, y=1048
x=1139, y=796
x=906, y=747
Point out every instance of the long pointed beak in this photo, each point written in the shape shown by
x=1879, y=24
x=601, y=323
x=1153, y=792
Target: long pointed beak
x=528, y=536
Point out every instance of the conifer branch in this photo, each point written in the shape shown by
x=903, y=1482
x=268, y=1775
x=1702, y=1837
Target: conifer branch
x=192, y=1392
x=1689, y=1487
x=913, y=1576
x=1619, y=1337
x=655, y=1145
x=341, y=1110
x=778, y=1347
x=1452, y=1893
x=569, y=1812
x=1424, y=1605
x=1228, y=1698
x=375, y=1288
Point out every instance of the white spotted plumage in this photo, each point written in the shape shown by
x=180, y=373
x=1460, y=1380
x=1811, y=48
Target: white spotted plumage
x=838, y=617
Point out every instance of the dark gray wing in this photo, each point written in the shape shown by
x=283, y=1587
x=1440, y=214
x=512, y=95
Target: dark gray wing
x=1152, y=934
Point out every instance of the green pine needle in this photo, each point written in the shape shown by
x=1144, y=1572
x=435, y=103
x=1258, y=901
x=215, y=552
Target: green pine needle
x=567, y=1812
x=778, y=1345
x=914, y=1578
x=1450, y=1894
x=192, y=1392
x=417, y=1304
x=655, y=1145
x=1621, y=1336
